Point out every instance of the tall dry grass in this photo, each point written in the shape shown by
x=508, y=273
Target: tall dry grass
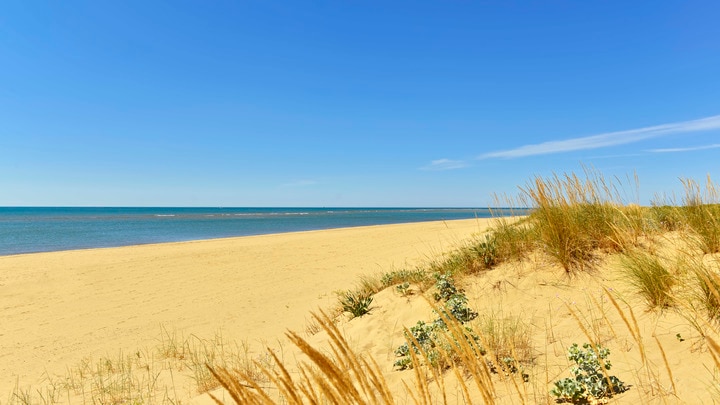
x=507, y=340
x=338, y=377
x=707, y=287
x=701, y=213
x=574, y=217
x=651, y=276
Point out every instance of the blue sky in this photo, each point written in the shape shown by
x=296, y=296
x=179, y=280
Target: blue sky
x=350, y=103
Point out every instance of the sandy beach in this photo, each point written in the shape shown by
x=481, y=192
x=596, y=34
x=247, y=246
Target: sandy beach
x=62, y=307
x=103, y=316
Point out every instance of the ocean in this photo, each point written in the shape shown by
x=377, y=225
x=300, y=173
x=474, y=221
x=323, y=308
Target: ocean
x=46, y=229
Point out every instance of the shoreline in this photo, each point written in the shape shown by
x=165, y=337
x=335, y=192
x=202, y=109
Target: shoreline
x=64, y=306
x=49, y=229
x=228, y=238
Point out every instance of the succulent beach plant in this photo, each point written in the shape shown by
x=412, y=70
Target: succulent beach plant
x=356, y=303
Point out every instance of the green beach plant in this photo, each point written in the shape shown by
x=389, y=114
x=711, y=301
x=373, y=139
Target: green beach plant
x=356, y=303
x=590, y=378
x=454, y=301
x=430, y=340
x=403, y=289
x=418, y=276
x=457, y=307
x=421, y=338
x=445, y=286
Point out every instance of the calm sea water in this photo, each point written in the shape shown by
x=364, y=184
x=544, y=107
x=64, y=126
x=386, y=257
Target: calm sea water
x=44, y=229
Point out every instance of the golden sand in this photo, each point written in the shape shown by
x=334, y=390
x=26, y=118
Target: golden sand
x=61, y=307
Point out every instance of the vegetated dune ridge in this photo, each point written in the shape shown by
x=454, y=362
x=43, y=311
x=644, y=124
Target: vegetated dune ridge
x=587, y=300
x=534, y=305
x=62, y=312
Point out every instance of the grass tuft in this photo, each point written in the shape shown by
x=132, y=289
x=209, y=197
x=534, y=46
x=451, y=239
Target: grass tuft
x=418, y=276
x=572, y=218
x=701, y=212
x=707, y=283
x=507, y=339
x=650, y=276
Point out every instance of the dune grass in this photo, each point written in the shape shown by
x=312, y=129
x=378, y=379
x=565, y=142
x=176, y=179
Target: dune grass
x=707, y=287
x=701, y=213
x=339, y=377
x=666, y=217
x=651, y=276
x=507, y=340
x=574, y=217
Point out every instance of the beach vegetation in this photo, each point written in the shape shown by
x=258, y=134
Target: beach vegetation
x=665, y=217
x=503, y=242
x=337, y=376
x=650, y=275
x=403, y=289
x=512, y=239
x=508, y=341
x=589, y=376
x=431, y=340
x=701, y=213
x=357, y=303
x=707, y=287
x=421, y=338
x=574, y=217
x=418, y=276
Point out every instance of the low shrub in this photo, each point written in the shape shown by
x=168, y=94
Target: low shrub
x=422, y=337
x=445, y=286
x=590, y=379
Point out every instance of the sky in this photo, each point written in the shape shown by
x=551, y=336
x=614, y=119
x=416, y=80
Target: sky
x=351, y=103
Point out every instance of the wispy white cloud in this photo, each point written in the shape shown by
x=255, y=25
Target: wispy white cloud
x=607, y=139
x=670, y=150
x=445, y=164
